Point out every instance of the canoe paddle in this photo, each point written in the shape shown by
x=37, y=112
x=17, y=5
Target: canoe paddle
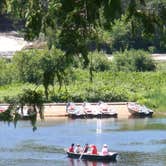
x=81, y=155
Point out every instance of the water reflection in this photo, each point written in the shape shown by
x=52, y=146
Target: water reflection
x=77, y=162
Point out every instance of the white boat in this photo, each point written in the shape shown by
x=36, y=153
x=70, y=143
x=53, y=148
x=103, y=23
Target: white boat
x=106, y=110
x=74, y=111
x=89, y=110
x=137, y=110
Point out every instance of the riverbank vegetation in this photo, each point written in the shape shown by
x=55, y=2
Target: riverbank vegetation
x=120, y=79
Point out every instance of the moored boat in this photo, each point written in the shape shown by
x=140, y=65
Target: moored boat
x=3, y=108
x=106, y=111
x=89, y=110
x=74, y=111
x=112, y=156
x=137, y=110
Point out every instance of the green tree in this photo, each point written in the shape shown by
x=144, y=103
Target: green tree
x=40, y=67
x=52, y=64
x=76, y=21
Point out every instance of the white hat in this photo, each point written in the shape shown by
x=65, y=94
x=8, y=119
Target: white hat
x=105, y=145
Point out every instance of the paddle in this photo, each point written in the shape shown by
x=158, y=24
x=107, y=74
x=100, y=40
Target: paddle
x=81, y=155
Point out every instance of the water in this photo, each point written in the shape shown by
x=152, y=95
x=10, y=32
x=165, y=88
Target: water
x=138, y=141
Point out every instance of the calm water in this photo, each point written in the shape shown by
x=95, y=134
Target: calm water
x=140, y=142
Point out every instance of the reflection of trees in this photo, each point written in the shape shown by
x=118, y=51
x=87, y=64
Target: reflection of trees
x=141, y=124
x=139, y=158
x=30, y=98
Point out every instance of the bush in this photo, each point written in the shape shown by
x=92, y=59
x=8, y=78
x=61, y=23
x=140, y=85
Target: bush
x=99, y=61
x=133, y=60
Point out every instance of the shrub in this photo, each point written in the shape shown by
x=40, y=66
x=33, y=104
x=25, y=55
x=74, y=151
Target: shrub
x=99, y=61
x=133, y=60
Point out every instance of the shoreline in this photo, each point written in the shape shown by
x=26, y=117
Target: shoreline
x=58, y=110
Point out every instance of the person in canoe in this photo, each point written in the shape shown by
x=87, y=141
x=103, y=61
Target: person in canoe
x=86, y=148
x=104, y=150
x=92, y=150
x=71, y=148
x=78, y=149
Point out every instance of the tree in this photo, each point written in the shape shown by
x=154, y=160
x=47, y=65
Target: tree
x=75, y=21
x=40, y=67
x=52, y=64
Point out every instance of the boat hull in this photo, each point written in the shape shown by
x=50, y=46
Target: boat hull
x=107, y=158
x=89, y=116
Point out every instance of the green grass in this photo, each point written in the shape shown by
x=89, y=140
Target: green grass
x=12, y=90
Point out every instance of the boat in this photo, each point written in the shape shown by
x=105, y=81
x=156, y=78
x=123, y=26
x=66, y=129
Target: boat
x=106, y=111
x=2, y=110
x=111, y=157
x=137, y=110
x=89, y=110
x=74, y=111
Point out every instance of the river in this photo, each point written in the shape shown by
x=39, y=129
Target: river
x=138, y=141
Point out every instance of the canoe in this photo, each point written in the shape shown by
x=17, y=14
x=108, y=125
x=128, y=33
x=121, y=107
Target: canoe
x=89, y=110
x=91, y=157
x=137, y=110
x=106, y=111
x=74, y=111
x=3, y=108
